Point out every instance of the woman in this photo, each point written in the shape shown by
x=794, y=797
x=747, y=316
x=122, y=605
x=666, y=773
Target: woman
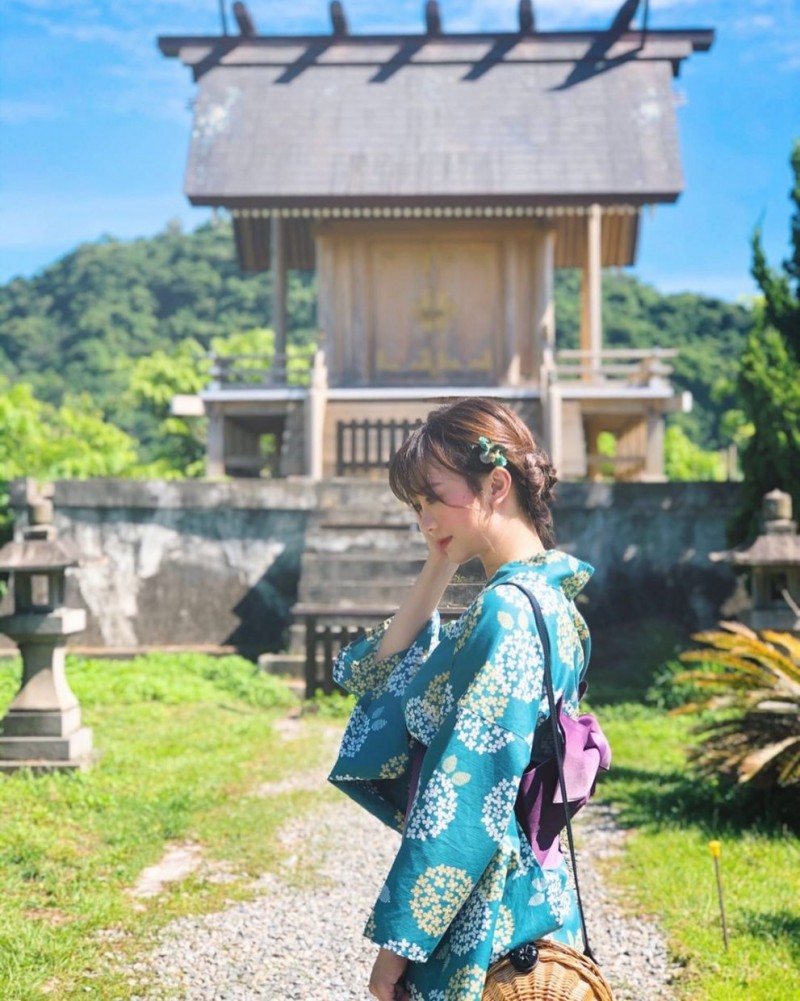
x=448, y=715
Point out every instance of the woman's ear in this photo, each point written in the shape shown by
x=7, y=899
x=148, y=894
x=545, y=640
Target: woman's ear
x=500, y=484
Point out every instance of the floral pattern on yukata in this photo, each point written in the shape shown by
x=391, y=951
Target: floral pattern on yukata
x=465, y=886
x=425, y=712
x=358, y=729
x=435, y=808
x=437, y=896
x=479, y=736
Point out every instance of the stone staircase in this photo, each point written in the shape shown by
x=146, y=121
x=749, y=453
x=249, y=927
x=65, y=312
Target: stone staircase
x=363, y=551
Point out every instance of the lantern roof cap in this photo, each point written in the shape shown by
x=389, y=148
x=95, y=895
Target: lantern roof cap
x=778, y=549
x=42, y=555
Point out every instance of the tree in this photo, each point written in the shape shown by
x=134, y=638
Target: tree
x=47, y=442
x=169, y=447
x=683, y=460
x=82, y=324
x=769, y=380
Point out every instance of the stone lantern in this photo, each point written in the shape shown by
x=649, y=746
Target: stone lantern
x=774, y=564
x=42, y=727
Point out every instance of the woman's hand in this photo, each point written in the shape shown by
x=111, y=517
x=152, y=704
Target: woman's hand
x=419, y=603
x=437, y=557
x=384, y=982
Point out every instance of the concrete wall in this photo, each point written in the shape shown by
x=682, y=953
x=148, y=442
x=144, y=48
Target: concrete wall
x=650, y=546
x=218, y=563
x=654, y=584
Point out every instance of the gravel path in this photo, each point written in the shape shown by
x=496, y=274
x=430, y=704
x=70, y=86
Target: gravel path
x=305, y=943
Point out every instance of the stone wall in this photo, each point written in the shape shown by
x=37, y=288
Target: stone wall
x=201, y=563
x=182, y=563
x=654, y=584
x=650, y=546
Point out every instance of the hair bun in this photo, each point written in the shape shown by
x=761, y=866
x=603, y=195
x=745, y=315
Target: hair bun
x=540, y=474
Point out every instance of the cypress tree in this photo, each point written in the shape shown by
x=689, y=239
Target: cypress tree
x=769, y=379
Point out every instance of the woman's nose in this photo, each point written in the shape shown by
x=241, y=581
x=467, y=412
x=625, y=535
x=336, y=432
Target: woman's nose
x=426, y=522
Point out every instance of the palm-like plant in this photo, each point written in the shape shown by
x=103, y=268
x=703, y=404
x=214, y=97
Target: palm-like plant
x=754, y=683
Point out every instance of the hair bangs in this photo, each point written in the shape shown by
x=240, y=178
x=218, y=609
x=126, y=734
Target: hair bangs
x=410, y=468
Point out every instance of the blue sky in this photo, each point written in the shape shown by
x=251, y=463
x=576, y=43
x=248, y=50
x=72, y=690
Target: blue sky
x=94, y=122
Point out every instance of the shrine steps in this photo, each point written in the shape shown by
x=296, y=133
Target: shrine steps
x=359, y=561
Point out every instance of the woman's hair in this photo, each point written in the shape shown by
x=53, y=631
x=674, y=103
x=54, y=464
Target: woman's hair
x=449, y=438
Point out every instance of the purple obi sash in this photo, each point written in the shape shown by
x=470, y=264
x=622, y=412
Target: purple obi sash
x=540, y=806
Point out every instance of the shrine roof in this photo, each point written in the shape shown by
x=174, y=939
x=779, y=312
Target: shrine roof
x=545, y=118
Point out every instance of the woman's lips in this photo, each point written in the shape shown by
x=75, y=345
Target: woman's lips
x=444, y=543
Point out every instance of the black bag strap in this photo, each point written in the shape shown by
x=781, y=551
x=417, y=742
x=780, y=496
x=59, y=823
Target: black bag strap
x=557, y=742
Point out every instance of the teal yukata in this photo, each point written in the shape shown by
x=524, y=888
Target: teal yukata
x=465, y=886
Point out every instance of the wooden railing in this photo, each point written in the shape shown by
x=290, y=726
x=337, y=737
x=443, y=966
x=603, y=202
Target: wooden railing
x=365, y=445
x=635, y=366
x=258, y=370
x=324, y=640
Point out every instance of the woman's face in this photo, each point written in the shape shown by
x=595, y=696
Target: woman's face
x=452, y=519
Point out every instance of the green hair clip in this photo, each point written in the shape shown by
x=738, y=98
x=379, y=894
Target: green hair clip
x=490, y=453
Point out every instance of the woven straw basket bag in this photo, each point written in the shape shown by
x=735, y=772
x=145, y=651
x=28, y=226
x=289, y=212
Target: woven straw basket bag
x=561, y=974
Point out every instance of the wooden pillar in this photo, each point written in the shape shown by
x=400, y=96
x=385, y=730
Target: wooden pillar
x=545, y=302
x=591, y=434
x=654, y=455
x=592, y=293
x=511, y=365
x=553, y=421
x=277, y=258
x=215, y=449
x=315, y=416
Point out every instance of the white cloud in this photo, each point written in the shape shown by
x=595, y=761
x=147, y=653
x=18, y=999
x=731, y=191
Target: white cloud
x=93, y=34
x=115, y=41
x=757, y=22
x=156, y=107
x=773, y=39
x=18, y=112
x=789, y=55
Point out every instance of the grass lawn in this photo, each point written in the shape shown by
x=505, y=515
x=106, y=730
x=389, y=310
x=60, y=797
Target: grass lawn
x=668, y=869
x=185, y=742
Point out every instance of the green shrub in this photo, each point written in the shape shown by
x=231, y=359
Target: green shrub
x=673, y=690
x=753, y=688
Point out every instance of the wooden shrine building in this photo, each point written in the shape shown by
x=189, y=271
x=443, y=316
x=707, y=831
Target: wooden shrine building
x=434, y=181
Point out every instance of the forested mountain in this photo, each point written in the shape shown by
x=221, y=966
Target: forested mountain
x=80, y=325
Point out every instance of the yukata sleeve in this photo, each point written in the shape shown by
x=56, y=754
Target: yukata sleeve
x=463, y=811
x=374, y=762
x=357, y=668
